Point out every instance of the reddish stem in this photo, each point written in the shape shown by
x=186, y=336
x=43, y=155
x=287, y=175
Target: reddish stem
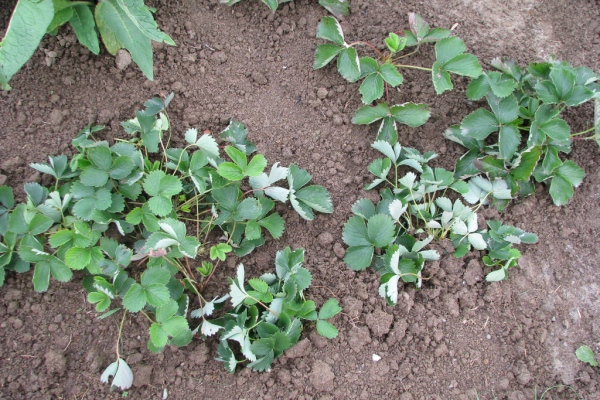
x=370, y=45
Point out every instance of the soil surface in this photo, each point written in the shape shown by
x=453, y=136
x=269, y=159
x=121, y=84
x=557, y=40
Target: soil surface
x=458, y=338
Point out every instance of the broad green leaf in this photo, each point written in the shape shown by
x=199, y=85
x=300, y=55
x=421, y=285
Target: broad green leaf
x=101, y=157
x=155, y=275
x=274, y=223
x=83, y=24
x=372, y=88
x=237, y=156
x=272, y=4
x=479, y=87
x=441, y=79
x=355, y=232
x=26, y=28
x=230, y=171
x=359, y=257
x=77, y=258
x=418, y=26
x=158, y=335
x=368, y=114
x=380, y=230
x=7, y=198
x=368, y=66
x=339, y=8
x=527, y=163
x=448, y=48
x=115, y=17
x=160, y=206
x=256, y=165
x=506, y=110
x=393, y=42
x=579, y=95
x=156, y=294
x=391, y=75
x=464, y=64
x=121, y=168
x=348, y=64
x=556, y=129
x=564, y=82
x=496, y=276
x=135, y=299
x=248, y=209
x=410, y=114
x=509, y=140
x=252, y=230
x=324, y=54
x=501, y=84
x=235, y=134
x=329, y=28
x=329, y=309
x=95, y=177
x=585, y=354
x=326, y=329
x=41, y=276
x=388, y=130
x=479, y=124
x=364, y=208
x=316, y=197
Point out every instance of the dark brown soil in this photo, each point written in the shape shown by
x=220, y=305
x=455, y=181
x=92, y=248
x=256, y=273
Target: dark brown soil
x=458, y=338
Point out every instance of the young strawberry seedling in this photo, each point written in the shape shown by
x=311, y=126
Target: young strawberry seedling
x=417, y=206
x=380, y=73
x=520, y=139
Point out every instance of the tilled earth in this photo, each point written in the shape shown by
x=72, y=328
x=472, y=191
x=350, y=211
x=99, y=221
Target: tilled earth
x=458, y=338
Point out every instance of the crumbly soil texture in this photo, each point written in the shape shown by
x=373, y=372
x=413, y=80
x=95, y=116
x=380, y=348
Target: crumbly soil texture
x=457, y=338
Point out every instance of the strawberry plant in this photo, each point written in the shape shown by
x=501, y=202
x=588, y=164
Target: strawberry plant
x=127, y=24
x=520, y=139
x=415, y=207
x=112, y=209
x=380, y=73
x=267, y=313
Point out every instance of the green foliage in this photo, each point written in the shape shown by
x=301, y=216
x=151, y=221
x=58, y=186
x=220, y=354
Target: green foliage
x=122, y=24
x=378, y=75
x=267, y=313
x=585, y=354
x=520, y=137
x=148, y=192
x=386, y=235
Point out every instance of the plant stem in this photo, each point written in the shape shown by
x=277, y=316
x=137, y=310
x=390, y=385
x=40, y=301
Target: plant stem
x=584, y=132
x=370, y=45
x=218, y=261
x=412, y=66
x=271, y=311
x=387, y=92
x=120, y=331
x=408, y=54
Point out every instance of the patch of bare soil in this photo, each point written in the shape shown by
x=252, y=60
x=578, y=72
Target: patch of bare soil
x=458, y=338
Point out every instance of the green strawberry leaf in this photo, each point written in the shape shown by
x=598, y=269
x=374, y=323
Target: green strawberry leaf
x=348, y=64
x=329, y=29
x=325, y=53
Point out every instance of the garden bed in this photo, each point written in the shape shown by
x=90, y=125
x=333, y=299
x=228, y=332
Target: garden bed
x=458, y=337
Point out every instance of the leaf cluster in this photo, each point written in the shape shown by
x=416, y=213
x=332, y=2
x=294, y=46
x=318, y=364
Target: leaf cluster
x=122, y=24
x=141, y=201
x=379, y=74
x=418, y=205
x=267, y=313
x=520, y=138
